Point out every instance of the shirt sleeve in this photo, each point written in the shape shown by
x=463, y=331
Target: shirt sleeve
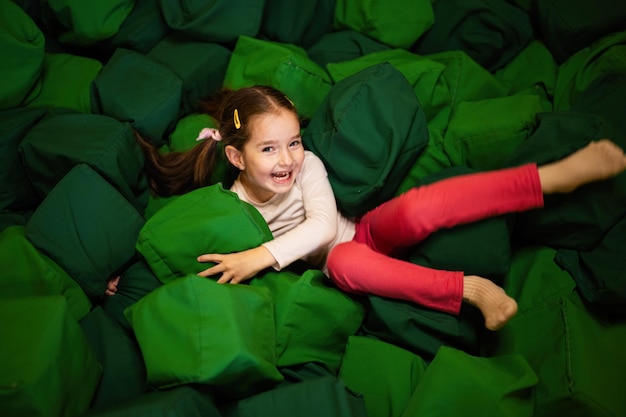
x=319, y=227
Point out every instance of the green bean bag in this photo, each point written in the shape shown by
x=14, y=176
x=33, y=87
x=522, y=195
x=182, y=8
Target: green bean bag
x=64, y=139
x=196, y=331
x=123, y=370
x=179, y=401
x=219, y=21
x=492, y=32
x=28, y=272
x=94, y=230
x=385, y=375
x=483, y=134
x=493, y=386
x=78, y=24
x=47, y=367
x=199, y=222
x=200, y=65
x=324, y=396
x=66, y=82
x=397, y=23
x=577, y=220
x=16, y=191
x=285, y=67
x=313, y=318
x=367, y=138
x=302, y=25
x=136, y=89
x=569, y=26
x=343, y=45
x=23, y=49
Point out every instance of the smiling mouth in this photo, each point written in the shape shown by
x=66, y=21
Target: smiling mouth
x=281, y=176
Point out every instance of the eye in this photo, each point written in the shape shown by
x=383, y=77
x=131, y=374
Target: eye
x=267, y=149
x=295, y=143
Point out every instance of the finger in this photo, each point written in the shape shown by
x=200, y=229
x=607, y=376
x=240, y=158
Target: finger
x=210, y=257
x=225, y=279
x=212, y=271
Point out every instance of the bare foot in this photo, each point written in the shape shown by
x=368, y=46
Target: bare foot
x=112, y=286
x=497, y=307
x=596, y=161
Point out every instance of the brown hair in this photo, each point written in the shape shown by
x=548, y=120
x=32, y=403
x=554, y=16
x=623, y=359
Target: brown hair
x=176, y=173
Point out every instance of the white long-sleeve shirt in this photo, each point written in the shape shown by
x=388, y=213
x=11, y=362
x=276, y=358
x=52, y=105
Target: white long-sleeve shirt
x=305, y=221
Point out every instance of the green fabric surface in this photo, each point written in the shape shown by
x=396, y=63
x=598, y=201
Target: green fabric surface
x=136, y=89
x=48, y=368
x=397, y=23
x=123, y=370
x=200, y=65
x=492, y=32
x=313, y=318
x=602, y=57
x=421, y=330
x=285, y=67
x=569, y=26
x=577, y=220
x=135, y=282
x=367, y=157
x=343, y=45
x=482, y=134
x=28, y=272
x=302, y=25
x=23, y=49
x=576, y=356
x=16, y=191
x=9, y=218
x=488, y=253
x=324, y=396
x=495, y=386
x=199, y=222
x=196, y=331
x=79, y=23
x=86, y=227
x=180, y=401
x=64, y=139
x=185, y=134
x=219, y=21
x=66, y=82
x=385, y=375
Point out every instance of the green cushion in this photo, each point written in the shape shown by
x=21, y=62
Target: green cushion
x=385, y=375
x=492, y=32
x=27, y=272
x=313, y=319
x=482, y=134
x=66, y=82
x=123, y=370
x=397, y=23
x=343, y=45
x=64, y=139
x=494, y=386
x=219, y=21
x=94, y=229
x=136, y=89
x=196, y=331
x=578, y=358
x=22, y=44
x=79, y=24
x=16, y=191
x=577, y=220
x=179, y=401
x=47, y=366
x=367, y=156
x=202, y=221
x=324, y=396
x=302, y=25
x=489, y=254
x=200, y=65
x=285, y=67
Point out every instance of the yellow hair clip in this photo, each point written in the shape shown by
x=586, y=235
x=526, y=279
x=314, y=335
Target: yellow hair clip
x=237, y=121
x=289, y=100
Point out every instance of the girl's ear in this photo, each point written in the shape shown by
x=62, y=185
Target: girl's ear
x=234, y=156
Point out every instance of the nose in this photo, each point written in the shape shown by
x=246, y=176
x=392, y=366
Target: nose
x=285, y=157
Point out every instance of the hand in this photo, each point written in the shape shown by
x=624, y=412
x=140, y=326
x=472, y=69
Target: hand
x=237, y=267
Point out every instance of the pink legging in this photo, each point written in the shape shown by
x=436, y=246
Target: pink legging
x=365, y=265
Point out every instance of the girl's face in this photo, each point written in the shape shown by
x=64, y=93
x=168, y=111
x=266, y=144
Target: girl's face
x=271, y=160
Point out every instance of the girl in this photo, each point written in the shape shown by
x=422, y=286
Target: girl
x=260, y=133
